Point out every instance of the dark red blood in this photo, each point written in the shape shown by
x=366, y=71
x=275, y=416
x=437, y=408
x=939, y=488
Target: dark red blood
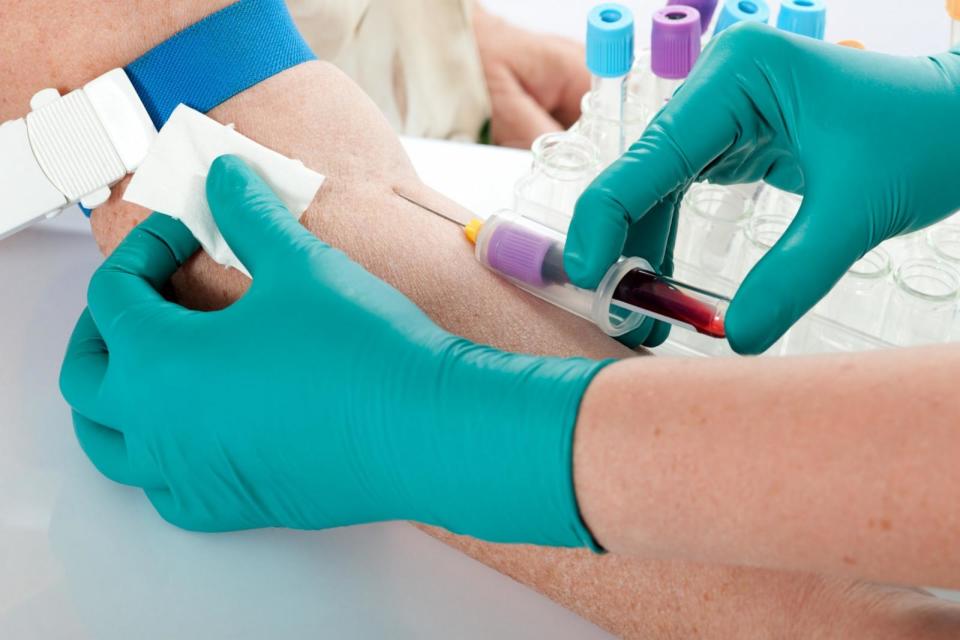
x=647, y=292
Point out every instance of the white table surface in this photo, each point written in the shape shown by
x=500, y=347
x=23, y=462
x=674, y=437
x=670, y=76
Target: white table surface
x=86, y=559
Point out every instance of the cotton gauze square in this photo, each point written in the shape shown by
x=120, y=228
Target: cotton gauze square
x=173, y=177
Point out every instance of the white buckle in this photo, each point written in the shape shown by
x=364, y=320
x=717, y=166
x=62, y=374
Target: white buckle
x=71, y=149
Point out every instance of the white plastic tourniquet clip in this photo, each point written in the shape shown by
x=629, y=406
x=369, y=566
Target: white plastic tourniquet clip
x=71, y=149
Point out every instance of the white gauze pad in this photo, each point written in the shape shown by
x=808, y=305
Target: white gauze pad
x=173, y=177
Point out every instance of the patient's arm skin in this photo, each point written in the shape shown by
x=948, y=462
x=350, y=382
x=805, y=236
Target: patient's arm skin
x=313, y=113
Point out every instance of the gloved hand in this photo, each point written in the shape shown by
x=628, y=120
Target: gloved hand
x=871, y=141
x=322, y=398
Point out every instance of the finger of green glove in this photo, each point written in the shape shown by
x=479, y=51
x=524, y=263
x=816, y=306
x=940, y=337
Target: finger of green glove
x=653, y=239
x=255, y=223
x=650, y=238
x=107, y=450
x=595, y=237
x=685, y=137
x=814, y=253
x=171, y=509
x=638, y=336
x=658, y=334
x=651, y=333
x=137, y=269
x=84, y=367
x=165, y=503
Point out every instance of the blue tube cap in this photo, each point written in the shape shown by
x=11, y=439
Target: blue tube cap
x=803, y=17
x=735, y=11
x=610, y=40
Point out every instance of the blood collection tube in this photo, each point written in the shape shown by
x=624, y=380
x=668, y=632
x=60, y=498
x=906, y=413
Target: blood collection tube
x=531, y=257
x=668, y=300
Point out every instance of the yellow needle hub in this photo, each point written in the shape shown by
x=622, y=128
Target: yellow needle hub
x=472, y=230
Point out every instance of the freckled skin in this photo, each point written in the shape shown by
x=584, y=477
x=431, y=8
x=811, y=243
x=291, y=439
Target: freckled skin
x=780, y=463
x=315, y=114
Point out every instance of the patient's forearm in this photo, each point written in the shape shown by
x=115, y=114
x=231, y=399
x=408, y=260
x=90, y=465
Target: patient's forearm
x=842, y=464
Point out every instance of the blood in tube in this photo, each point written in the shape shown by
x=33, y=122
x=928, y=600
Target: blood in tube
x=651, y=294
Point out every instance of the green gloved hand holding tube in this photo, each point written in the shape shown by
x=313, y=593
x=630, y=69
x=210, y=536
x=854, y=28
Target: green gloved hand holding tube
x=267, y=414
x=871, y=141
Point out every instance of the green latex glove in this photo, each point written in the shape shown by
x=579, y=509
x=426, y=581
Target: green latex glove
x=322, y=398
x=871, y=141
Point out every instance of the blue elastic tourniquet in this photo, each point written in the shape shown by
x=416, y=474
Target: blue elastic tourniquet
x=215, y=59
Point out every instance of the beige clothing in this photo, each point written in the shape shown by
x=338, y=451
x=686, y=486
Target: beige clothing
x=417, y=59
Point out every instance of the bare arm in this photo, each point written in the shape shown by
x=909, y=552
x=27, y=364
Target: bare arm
x=849, y=465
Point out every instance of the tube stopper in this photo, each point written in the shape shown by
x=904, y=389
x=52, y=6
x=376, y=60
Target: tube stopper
x=610, y=40
x=803, y=17
x=675, y=42
x=735, y=11
x=706, y=9
x=518, y=253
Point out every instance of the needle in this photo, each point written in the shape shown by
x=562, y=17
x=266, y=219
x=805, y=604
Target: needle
x=433, y=211
x=471, y=229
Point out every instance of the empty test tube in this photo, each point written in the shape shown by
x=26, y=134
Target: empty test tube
x=859, y=299
x=923, y=308
x=564, y=164
x=609, y=55
x=612, y=137
x=944, y=240
x=531, y=256
x=711, y=222
x=762, y=233
x=610, y=35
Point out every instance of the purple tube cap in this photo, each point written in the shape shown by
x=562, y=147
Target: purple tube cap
x=675, y=42
x=705, y=7
x=518, y=253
